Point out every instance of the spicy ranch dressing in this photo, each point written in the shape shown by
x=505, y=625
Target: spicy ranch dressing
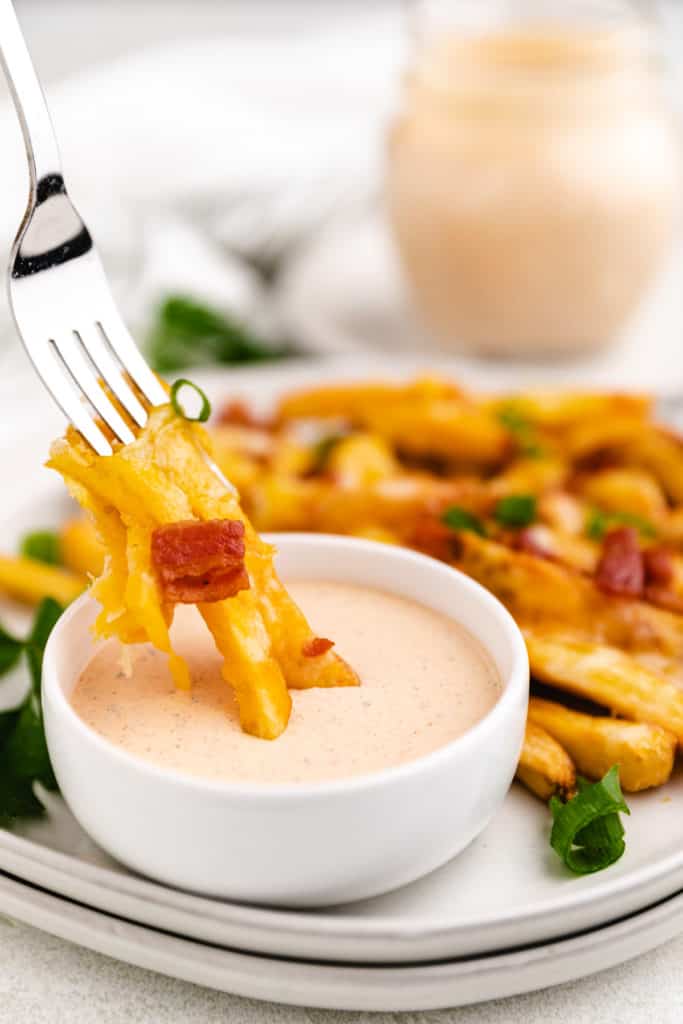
x=425, y=681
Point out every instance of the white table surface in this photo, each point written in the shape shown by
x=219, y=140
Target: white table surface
x=44, y=979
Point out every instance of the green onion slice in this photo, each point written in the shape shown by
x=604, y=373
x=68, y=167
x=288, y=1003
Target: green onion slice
x=516, y=510
x=599, y=523
x=43, y=546
x=458, y=518
x=205, y=408
x=587, y=832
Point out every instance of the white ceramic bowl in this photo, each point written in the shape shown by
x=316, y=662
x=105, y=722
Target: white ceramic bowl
x=294, y=844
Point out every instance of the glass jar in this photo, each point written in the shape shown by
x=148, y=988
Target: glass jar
x=533, y=172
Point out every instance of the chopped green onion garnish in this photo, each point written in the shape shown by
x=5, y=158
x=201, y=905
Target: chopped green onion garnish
x=524, y=431
x=43, y=546
x=458, y=518
x=587, y=832
x=205, y=408
x=599, y=523
x=516, y=510
x=322, y=451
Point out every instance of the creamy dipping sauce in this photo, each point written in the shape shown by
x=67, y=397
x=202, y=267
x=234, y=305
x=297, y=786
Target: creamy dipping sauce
x=425, y=681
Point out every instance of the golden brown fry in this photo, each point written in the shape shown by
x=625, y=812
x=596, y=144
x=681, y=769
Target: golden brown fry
x=395, y=503
x=82, y=550
x=531, y=476
x=555, y=410
x=644, y=752
x=544, y=766
x=361, y=460
x=451, y=429
x=354, y=400
x=630, y=490
x=608, y=677
x=25, y=579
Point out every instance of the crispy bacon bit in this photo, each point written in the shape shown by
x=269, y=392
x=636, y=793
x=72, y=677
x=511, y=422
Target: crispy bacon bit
x=659, y=566
x=316, y=646
x=434, y=538
x=237, y=413
x=621, y=569
x=200, y=561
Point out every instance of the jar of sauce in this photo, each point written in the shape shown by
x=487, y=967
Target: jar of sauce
x=533, y=173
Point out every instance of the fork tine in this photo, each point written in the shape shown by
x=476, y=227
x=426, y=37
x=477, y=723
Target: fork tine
x=56, y=381
x=132, y=362
x=94, y=345
x=69, y=349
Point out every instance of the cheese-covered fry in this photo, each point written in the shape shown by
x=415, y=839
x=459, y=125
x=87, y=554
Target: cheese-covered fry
x=644, y=752
x=608, y=677
x=544, y=766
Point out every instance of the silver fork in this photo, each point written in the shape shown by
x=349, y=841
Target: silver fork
x=60, y=299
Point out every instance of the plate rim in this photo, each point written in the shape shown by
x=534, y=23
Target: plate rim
x=342, y=986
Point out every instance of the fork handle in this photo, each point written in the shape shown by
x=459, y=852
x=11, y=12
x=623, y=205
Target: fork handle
x=36, y=125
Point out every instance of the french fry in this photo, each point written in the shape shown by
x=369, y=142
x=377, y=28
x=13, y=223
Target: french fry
x=451, y=429
x=354, y=401
x=630, y=490
x=361, y=460
x=544, y=766
x=608, y=677
x=30, y=581
x=644, y=752
x=541, y=593
x=558, y=410
x=82, y=550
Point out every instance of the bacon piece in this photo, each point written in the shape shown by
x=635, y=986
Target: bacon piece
x=659, y=566
x=316, y=646
x=621, y=569
x=434, y=538
x=200, y=561
x=237, y=413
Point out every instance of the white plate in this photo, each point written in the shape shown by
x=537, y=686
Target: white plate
x=345, y=987
x=507, y=889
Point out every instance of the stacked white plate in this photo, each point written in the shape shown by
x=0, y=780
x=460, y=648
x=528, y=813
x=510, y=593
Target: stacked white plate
x=504, y=917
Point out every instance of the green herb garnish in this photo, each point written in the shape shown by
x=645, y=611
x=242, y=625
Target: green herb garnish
x=322, y=451
x=205, y=408
x=599, y=523
x=458, y=518
x=587, y=832
x=187, y=333
x=523, y=430
x=516, y=510
x=43, y=546
x=24, y=757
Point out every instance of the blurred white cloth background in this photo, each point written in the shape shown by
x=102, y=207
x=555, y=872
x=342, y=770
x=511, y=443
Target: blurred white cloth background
x=191, y=150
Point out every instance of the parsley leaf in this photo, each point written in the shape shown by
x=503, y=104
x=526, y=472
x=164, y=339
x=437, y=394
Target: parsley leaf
x=10, y=650
x=187, y=333
x=24, y=757
x=458, y=518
